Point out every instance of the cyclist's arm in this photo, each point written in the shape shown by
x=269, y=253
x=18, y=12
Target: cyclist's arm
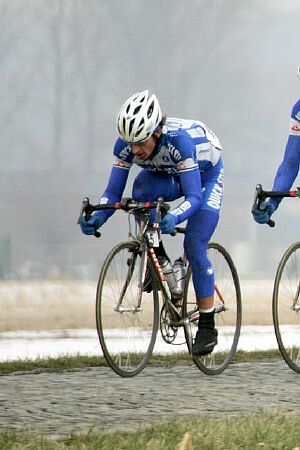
x=191, y=187
x=289, y=167
x=189, y=177
x=117, y=180
x=115, y=188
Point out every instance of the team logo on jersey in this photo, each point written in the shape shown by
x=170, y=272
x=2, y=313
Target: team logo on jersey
x=125, y=152
x=185, y=206
x=174, y=152
x=220, y=178
x=103, y=200
x=215, y=197
x=181, y=166
x=295, y=128
x=121, y=164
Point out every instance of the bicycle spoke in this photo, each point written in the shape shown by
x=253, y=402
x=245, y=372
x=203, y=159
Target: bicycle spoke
x=286, y=306
x=127, y=318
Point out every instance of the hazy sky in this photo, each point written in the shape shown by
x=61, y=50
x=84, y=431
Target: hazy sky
x=68, y=65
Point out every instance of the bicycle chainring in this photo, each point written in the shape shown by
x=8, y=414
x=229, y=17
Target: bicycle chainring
x=168, y=332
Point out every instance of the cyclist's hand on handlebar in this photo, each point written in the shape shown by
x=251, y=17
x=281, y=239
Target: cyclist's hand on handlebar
x=168, y=223
x=263, y=212
x=93, y=224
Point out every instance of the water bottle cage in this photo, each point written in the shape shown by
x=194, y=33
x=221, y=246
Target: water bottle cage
x=167, y=269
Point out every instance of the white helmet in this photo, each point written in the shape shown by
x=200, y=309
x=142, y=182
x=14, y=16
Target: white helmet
x=298, y=71
x=139, y=117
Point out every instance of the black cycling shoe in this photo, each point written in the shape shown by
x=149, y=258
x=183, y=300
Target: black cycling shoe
x=205, y=342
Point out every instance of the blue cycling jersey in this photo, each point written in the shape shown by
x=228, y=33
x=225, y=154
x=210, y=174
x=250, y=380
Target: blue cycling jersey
x=185, y=145
x=289, y=167
x=187, y=150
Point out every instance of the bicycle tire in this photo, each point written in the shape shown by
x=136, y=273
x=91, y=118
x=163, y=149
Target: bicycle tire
x=286, y=306
x=126, y=332
x=228, y=316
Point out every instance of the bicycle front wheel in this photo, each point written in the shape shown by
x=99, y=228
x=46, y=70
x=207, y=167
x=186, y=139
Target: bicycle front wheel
x=228, y=311
x=286, y=306
x=127, y=317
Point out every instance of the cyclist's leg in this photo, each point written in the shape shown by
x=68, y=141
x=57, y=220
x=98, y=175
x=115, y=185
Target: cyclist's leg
x=149, y=186
x=199, y=230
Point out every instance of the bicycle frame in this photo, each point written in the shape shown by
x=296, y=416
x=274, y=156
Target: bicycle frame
x=146, y=242
x=126, y=306
x=143, y=237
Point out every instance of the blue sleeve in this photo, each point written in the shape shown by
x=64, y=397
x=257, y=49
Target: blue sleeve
x=114, y=190
x=296, y=111
x=183, y=153
x=191, y=187
x=289, y=167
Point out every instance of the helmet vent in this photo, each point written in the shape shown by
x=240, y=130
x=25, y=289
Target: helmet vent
x=137, y=109
x=150, y=109
x=131, y=125
x=141, y=125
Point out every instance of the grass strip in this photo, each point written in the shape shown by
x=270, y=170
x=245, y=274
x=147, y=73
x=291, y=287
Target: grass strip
x=79, y=361
x=267, y=431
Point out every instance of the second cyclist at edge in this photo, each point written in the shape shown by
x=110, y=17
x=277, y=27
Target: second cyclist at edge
x=288, y=168
x=179, y=159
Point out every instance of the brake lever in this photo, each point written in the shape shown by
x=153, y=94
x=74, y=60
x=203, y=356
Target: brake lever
x=85, y=213
x=84, y=210
x=259, y=197
x=161, y=209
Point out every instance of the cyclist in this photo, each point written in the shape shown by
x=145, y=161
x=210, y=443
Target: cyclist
x=287, y=170
x=178, y=158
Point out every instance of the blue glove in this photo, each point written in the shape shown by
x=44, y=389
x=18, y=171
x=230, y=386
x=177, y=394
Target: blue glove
x=96, y=221
x=263, y=213
x=168, y=223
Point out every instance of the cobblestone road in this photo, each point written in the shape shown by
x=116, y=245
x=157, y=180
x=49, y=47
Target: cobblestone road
x=61, y=403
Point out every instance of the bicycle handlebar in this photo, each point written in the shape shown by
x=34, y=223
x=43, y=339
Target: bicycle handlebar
x=260, y=195
x=126, y=204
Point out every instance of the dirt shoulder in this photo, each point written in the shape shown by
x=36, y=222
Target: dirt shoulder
x=52, y=305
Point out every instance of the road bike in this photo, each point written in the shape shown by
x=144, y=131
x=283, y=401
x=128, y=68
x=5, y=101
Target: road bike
x=129, y=314
x=286, y=290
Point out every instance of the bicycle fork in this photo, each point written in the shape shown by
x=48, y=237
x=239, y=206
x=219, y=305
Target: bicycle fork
x=131, y=262
x=296, y=307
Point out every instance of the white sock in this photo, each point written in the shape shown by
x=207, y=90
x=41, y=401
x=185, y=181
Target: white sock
x=204, y=311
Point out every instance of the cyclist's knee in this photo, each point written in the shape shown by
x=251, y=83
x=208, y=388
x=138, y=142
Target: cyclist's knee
x=195, y=247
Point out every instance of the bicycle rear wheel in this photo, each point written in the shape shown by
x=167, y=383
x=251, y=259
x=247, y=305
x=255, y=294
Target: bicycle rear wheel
x=127, y=317
x=286, y=306
x=228, y=311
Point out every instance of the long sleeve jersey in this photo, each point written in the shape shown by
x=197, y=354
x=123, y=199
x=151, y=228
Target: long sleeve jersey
x=186, y=149
x=289, y=167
